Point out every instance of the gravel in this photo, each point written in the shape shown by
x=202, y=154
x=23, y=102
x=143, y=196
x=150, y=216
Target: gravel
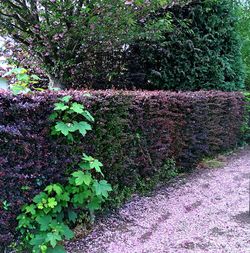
x=206, y=211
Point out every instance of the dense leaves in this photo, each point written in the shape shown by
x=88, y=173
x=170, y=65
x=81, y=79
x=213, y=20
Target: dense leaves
x=188, y=46
x=43, y=223
x=243, y=28
x=134, y=135
x=66, y=36
x=201, y=52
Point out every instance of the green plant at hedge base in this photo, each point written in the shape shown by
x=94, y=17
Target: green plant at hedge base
x=47, y=221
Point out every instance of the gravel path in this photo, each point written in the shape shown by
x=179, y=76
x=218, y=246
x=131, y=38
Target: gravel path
x=206, y=211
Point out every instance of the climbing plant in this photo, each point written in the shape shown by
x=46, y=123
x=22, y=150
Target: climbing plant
x=49, y=219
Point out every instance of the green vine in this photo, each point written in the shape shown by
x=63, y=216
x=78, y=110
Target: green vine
x=48, y=220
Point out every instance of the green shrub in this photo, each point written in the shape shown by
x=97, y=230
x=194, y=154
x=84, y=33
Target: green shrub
x=46, y=222
x=201, y=52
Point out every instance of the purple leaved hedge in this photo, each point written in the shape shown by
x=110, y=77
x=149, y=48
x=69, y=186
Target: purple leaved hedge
x=134, y=135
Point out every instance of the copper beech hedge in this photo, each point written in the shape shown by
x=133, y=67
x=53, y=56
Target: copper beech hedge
x=135, y=133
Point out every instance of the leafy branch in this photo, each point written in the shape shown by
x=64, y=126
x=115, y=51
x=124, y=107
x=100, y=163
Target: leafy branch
x=48, y=220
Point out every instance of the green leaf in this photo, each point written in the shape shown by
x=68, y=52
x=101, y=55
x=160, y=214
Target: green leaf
x=38, y=239
x=65, y=99
x=81, y=177
x=23, y=221
x=31, y=209
x=17, y=89
x=62, y=127
x=91, y=163
x=82, y=127
x=57, y=249
x=76, y=107
x=102, y=188
x=53, y=238
x=81, y=197
x=96, y=165
x=39, y=197
x=57, y=209
x=72, y=216
x=64, y=196
x=60, y=107
x=54, y=187
x=88, y=116
x=44, y=222
x=35, y=77
x=52, y=202
x=53, y=115
x=67, y=232
x=94, y=204
x=70, y=137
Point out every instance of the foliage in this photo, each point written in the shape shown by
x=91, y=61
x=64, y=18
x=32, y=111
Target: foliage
x=135, y=134
x=67, y=35
x=187, y=45
x=46, y=221
x=243, y=28
x=246, y=125
x=202, y=52
x=23, y=81
x=14, y=55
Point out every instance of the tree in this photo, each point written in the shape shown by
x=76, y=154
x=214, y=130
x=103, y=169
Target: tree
x=65, y=35
x=243, y=28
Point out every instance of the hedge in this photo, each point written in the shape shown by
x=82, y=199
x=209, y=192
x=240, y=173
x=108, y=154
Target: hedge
x=135, y=135
x=202, y=52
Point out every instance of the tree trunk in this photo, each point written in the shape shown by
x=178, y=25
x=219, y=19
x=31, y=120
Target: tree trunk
x=55, y=82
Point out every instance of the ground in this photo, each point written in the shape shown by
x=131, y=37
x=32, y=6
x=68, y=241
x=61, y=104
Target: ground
x=206, y=211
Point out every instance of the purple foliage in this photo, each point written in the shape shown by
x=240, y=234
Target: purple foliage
x=135, y=133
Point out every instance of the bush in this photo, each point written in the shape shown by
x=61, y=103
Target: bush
x=135, y=136
x=201, y=52
x=243, y=28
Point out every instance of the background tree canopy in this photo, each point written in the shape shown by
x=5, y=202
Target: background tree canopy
x=243, y=27
x=161, y=44
x=201, y=52
x=65, y=34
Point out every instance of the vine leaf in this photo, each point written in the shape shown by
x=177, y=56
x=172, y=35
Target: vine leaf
x=91, y=163
x=67, y=232
x=52, y=238
x=81, y=177
x=94, y=204
x=57, y=249
x=52, y=202
x=76, y=107
x=65, y=128
x=72, y=216
x=82, y=127
x=54, y=187
x=44, y=222
x=88, y=116
x=65, y=99
x=102, y=188
x=38, y=239
x=31, y=209
x=53, y=115
x=60, y=107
